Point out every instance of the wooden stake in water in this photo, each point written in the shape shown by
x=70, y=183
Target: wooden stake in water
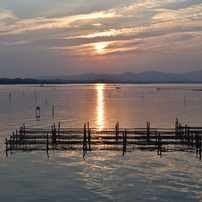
x=53, y=111
x=37, y=112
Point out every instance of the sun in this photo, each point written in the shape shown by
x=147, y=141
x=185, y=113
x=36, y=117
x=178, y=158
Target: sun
x=100, y=47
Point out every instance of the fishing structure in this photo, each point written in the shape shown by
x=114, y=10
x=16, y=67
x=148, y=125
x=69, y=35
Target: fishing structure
x=179, y=138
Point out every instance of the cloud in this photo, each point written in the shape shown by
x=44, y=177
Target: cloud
x=53, y=23
x=133, y=27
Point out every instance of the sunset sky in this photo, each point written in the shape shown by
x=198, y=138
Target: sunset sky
x=69, y=37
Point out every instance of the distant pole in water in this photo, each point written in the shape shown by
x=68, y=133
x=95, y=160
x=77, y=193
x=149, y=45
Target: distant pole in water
x=23, y=93
x=37, y=112
x=53, y=111
x=9, y=96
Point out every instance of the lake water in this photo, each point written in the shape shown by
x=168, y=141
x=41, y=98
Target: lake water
x=102, y=175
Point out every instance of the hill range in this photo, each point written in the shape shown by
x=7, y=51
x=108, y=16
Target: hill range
x=130, y=77
x=127, y=77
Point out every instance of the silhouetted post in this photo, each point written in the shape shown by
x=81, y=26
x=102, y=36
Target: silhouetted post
x=156, y=135
x=89, y=139
x=188, y=135
x=59, y=130
x=124, y=141
x=53, y=111
x=176, y=126
x=117, y=131
x=159, y=145
x=24, y=129
x=10, y=143
x=6, y=141
x=12, y=140
x=54, y=136
x=84, y=141
x=47, y=144
x=9, y=97
x=15, y=141
x=148, y=131
x=37, y=112
x=197, y=143
x=199, y=147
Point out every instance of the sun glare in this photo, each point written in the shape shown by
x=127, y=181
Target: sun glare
x=100, y=47
x=100, y=106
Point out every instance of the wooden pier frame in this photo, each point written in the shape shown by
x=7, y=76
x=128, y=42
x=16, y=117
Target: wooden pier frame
x=121, y=139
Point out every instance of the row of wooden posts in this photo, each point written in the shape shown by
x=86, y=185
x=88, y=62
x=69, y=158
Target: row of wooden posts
x=88, y=139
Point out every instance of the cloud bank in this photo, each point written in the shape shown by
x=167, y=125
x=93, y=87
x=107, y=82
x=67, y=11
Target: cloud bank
x=102, y=37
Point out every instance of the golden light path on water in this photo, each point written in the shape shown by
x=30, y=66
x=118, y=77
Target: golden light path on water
x=100, y=106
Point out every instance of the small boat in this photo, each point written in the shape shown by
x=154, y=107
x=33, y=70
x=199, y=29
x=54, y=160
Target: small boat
x=118, y=87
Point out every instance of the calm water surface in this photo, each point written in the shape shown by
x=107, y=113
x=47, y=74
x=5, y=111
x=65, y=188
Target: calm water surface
x=102, y=175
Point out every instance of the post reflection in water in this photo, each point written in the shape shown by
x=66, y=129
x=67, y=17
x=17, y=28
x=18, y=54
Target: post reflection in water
x=100, y=106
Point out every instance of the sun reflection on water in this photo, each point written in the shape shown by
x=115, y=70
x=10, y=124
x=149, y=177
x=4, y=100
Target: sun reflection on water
x=100, y=106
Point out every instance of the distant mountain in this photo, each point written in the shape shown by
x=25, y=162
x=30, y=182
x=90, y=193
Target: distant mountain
x=148, y=77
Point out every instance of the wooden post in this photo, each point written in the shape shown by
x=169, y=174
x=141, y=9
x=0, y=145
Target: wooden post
x=197, y=142
x=59, y=130
x=117, y=131
x=6, y=141
x=24, y=128
x=148, y=131
x=188, y=135
x=124, y=141
x=47, y=144
x=176, y=126
x=53, y=110
x=159, y=145
x=200, y=148
x=6, y=144
x=89, y=139
x=84, y=141
x=53, y=136
x=37, y=112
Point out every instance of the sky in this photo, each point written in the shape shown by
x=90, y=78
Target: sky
x=71, y=37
